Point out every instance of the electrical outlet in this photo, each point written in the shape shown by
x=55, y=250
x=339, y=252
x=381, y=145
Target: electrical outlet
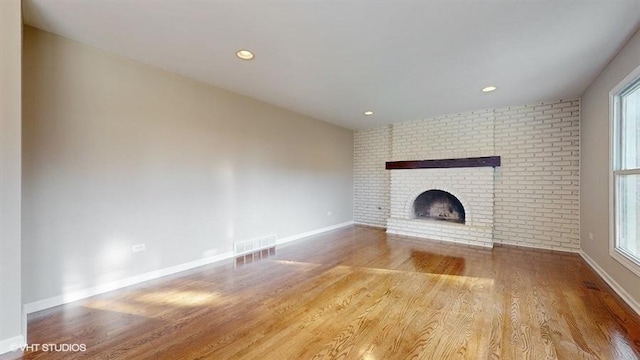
x=329, y=213
x=138, y=247
x=590, y=236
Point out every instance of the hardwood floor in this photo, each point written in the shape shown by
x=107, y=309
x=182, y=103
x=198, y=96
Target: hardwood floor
x=356, y=293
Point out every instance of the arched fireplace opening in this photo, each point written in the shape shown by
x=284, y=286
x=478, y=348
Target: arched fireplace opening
x=438, y=205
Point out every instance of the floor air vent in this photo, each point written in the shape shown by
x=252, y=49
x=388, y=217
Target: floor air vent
x=252, y=250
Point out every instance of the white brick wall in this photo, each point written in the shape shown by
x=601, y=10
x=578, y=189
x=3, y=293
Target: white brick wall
x=536, y=188
x=372, y=148
x=537, y=200
x=452, y=136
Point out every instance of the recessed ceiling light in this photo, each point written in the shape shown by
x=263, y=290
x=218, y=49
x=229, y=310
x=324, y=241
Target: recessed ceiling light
x=489, y=89
x=368, y=113
x=244, y=54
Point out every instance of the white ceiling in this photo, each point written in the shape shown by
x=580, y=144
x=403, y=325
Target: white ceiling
x=332, y=59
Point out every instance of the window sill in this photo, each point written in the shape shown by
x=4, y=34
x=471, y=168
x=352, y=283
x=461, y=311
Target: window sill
x=626, y=259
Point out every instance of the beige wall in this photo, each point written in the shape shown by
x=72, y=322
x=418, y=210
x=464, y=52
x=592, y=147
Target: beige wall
x=594, y=167
x=10, y=293
x=118, y=153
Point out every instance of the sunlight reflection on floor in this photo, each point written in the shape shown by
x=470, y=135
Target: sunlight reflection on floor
x=139, y=304
x=454, y=278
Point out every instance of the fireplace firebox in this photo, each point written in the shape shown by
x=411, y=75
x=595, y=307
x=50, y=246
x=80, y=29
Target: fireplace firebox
x=438, y=205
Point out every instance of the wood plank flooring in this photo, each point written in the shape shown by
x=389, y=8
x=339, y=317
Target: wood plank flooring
x=356, y=293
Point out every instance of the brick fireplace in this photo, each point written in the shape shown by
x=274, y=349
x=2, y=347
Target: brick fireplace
x=536, y=189
x=442, y=201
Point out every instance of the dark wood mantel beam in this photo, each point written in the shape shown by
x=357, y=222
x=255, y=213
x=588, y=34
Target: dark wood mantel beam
x=492, y=161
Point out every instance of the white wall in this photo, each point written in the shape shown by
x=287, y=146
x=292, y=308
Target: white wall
x=118, y=153
x=11, y=331
x=594, y=169
x=536, y=187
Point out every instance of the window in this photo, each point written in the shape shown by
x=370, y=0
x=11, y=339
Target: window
x=625, y=172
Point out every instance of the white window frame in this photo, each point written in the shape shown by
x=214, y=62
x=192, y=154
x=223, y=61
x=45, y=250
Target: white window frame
x=630, y=261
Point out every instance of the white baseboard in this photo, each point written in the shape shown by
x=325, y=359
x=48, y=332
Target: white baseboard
x=312, y=232
x=101, y=289
x=609, y=280
x=12, y=344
